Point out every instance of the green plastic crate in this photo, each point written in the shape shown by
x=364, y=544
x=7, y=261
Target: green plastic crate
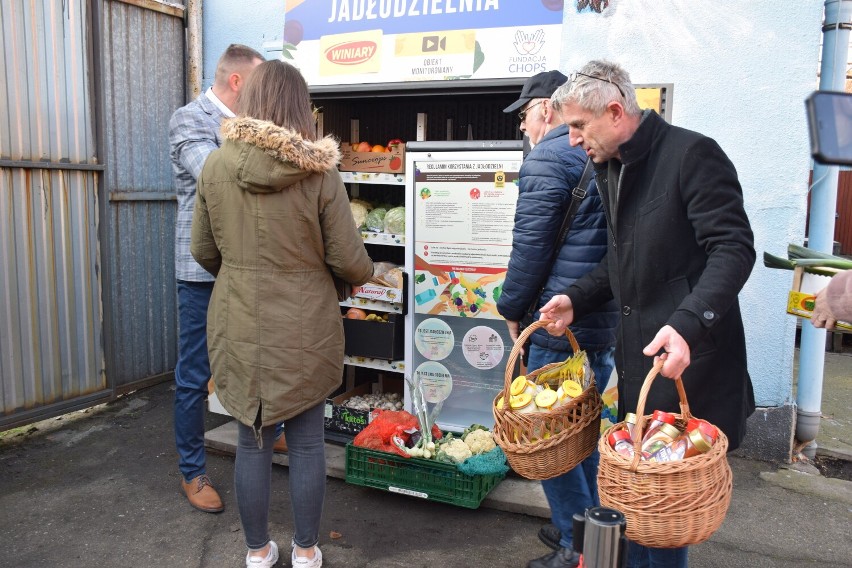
x=426, y=479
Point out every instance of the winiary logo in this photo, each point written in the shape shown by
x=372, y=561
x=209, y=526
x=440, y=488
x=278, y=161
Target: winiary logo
x=351, y=52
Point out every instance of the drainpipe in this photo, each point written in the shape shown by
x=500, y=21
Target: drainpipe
x=195, y=61
x=835, y=51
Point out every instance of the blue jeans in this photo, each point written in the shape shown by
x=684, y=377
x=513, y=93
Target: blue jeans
x=576, y=490
x=639, y=556
x=191, y=375
x=253, y=477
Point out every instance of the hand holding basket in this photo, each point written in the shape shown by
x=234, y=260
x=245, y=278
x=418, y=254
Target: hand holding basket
x=668, y=504
x=542, y=445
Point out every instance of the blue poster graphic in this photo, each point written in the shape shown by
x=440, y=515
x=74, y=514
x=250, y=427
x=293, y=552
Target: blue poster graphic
x=312, y=19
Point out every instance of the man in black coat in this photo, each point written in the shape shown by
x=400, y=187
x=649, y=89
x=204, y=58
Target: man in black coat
x=680, y=250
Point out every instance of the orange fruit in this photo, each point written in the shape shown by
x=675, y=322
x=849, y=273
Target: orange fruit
x=378, y=148
x=356, y=313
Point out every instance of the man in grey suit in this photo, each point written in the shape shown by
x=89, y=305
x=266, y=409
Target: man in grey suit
x=193, y=134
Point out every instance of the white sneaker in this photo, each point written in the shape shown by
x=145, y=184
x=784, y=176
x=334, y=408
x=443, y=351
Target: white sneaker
x=303, y=562
x=267, y=561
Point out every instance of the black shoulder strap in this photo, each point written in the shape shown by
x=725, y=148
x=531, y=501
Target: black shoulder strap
x=577, y=196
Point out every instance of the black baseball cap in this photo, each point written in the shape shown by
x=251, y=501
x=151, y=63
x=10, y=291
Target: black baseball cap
x=539, y=86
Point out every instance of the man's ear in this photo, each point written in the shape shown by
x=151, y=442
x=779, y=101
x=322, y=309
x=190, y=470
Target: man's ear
x=548, y=111
x=615, y=111
x=235, y=81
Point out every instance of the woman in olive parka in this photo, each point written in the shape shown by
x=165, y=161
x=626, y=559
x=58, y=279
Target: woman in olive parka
x=272, y=222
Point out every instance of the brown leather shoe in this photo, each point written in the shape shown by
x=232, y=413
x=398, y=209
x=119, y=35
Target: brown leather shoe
x=201, y=495
x=280, y=445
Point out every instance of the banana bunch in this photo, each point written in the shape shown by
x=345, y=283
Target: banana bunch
x=575, y=368
x=376, y=317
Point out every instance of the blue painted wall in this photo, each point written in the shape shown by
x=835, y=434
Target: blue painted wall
x=250, y=22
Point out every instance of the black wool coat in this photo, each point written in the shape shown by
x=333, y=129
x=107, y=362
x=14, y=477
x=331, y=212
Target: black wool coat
x=680, y=250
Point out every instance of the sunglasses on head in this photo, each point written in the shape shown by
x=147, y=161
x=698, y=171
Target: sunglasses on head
x=573, y=77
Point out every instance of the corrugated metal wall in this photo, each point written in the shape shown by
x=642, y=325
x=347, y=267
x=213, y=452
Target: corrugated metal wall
x=87, y=289
x=143, y=80
x=51, y=351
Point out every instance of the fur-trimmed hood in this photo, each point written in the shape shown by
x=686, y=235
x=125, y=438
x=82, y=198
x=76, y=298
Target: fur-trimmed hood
x=268, y=158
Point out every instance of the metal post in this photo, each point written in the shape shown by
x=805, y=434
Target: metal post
x=835, y=52
x=195, y=59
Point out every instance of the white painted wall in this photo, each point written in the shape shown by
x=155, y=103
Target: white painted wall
x=741, y=71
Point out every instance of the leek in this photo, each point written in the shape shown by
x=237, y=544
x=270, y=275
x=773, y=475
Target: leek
x=772, y=261
x=796, y=251
x=811, y=261
x=418, y=401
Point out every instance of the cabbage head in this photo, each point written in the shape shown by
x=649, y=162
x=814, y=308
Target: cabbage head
x=376, y=220
x=395, y=221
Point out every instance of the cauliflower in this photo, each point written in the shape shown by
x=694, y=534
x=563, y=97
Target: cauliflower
x=456, y=450
x=367, y=205
x=359, y=212
x=479, y=441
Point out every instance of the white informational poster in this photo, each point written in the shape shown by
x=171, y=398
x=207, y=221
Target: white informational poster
x=463, y=215
x=352, y=42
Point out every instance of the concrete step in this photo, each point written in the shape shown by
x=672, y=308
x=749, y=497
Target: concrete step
x=514, y=494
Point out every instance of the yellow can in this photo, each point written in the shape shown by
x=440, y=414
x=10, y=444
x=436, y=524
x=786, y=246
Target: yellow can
x=569, y=389
x=546, y=399
x=519, y=384
x=522, y=403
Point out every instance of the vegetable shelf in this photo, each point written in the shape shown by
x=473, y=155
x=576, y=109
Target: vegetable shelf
x=426, y=479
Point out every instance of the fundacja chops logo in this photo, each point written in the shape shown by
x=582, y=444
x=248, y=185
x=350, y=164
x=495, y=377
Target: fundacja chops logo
x=529, y=43
x=351, y=52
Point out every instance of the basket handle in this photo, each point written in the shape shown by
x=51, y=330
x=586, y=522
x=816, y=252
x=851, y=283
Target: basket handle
x=516, y=351
x=640, y=408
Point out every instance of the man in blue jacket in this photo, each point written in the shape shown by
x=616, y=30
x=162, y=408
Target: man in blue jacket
x=549, y=173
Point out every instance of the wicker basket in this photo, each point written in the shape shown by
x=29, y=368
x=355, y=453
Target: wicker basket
x=577, y=424
x=668, y=504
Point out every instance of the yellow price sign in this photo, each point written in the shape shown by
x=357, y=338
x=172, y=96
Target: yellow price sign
x=436, y=44
x=650, y=98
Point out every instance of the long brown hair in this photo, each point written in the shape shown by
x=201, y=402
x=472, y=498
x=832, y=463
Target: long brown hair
x=277, y=92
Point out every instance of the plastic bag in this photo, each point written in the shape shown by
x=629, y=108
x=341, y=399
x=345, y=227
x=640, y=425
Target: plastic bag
x=376, y=220
x=385, y=426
